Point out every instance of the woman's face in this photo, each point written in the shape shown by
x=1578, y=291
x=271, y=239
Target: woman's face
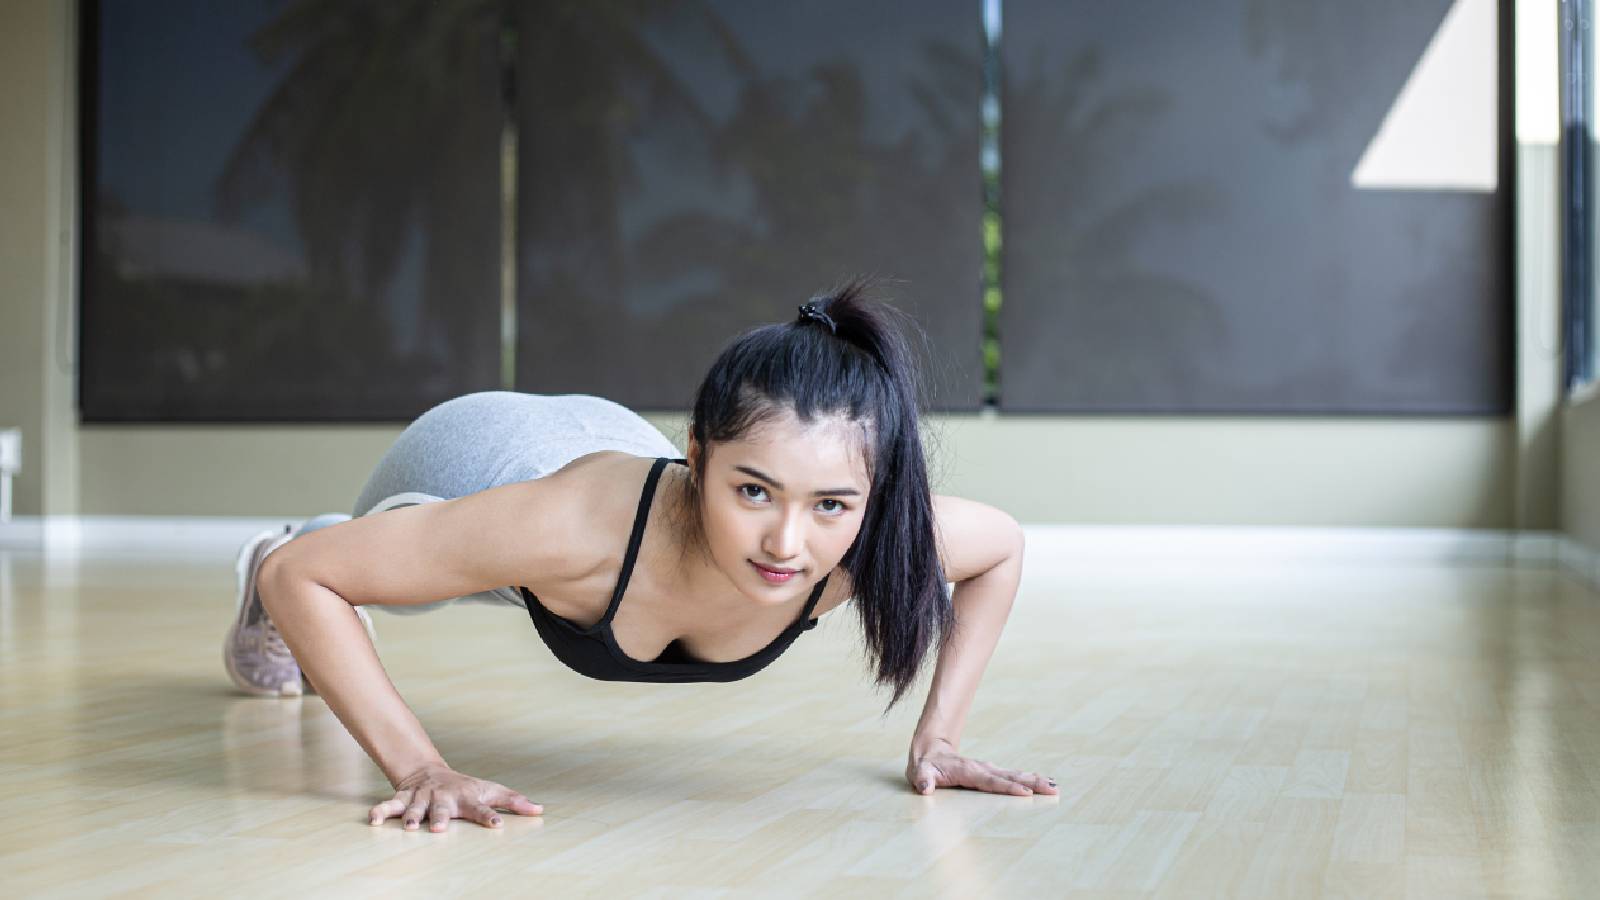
x=786, y=497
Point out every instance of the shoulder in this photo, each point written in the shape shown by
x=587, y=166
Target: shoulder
x=598, y=502
x=603, y=491
x=973, y=537
x=605, y=481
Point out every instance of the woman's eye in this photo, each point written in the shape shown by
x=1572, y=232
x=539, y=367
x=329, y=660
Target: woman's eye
x=757, y=492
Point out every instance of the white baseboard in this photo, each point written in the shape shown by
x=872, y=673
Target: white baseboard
x=1133, y=545
x=167, y=537
x=1202, y=543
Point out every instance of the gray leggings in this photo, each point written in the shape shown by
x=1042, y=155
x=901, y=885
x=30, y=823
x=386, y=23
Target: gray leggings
x=483, y=440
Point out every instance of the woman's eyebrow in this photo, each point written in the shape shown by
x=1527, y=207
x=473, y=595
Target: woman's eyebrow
x=836, y=492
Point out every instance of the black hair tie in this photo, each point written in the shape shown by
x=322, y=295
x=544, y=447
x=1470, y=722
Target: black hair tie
x=809, y=312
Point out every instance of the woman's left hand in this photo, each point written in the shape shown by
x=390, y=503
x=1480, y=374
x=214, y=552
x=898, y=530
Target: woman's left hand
x=940, y=766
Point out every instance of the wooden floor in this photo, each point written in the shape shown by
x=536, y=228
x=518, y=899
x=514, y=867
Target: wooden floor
x=1299, y=731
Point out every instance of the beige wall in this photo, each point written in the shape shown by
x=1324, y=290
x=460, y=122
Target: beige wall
x=1497, y=472
x=1580, y=471
x=37, y=263
x=1167, y=471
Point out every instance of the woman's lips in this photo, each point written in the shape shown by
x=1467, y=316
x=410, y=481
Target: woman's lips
x=771, y=576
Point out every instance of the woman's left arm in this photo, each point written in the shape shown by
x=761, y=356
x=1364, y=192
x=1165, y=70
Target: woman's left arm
x=981, y=550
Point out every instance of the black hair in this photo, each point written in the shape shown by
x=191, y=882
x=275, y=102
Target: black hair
x=861, y=368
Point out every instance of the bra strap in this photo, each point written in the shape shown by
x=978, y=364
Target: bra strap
x=634, y=540
x=811, y=604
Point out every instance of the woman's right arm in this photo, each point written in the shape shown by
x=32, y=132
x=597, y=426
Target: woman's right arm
x=332, y=649
x=517, y=534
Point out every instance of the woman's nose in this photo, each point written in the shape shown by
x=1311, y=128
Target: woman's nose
x=783, y=541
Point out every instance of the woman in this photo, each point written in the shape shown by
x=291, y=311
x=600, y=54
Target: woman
x=804, y=486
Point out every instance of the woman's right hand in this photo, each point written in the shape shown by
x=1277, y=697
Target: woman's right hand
x=439, y=794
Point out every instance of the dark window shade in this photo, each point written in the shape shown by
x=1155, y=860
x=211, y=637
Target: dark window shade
x=1578, y=193
x=291, y=211
x=688, y=175
x=1181, y=233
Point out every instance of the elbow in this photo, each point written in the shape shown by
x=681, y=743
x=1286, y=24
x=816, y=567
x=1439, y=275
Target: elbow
x=1016, y=541
x=1005, y=546
x=1015, y=545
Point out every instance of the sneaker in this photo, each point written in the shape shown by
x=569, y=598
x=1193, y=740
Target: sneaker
x=254, y=652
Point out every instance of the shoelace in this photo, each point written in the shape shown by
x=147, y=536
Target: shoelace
x=271, y=638
x=273, y=641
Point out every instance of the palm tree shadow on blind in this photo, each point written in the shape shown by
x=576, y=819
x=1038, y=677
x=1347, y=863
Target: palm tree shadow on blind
x=336, y=256
x=690, y=172
x=1181, y=229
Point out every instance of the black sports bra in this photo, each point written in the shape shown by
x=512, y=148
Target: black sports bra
x=593, y=651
